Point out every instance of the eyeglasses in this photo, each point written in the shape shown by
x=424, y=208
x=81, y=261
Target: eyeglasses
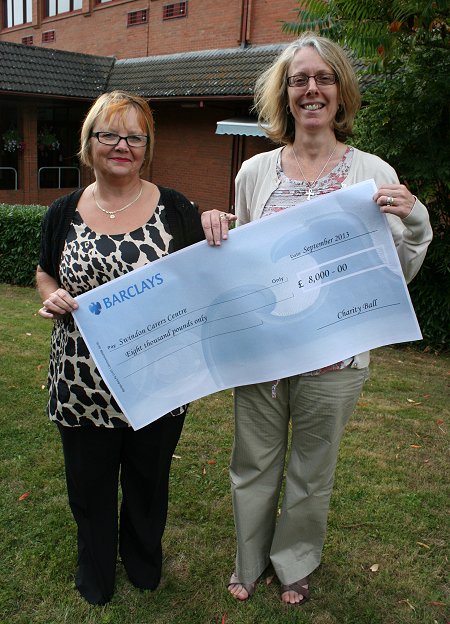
x=110, y=138
x=301, y=80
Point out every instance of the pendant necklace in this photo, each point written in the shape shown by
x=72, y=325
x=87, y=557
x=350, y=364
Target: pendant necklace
x=112, y=213
x=309, y=184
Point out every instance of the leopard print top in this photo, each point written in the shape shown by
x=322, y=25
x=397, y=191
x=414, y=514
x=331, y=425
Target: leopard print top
x=78, y=396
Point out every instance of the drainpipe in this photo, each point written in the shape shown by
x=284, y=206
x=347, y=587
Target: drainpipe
x=237, y=149
x=244, y=38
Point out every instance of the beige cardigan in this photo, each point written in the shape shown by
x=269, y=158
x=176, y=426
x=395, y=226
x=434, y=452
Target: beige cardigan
x=257, y=179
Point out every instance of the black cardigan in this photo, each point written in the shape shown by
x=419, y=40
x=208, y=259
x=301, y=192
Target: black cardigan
x=183, y=219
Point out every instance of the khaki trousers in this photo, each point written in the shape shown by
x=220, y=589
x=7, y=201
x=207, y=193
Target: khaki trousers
x=314, y=410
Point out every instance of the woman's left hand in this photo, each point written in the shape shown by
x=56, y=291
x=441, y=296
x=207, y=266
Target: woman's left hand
x=395, y=199
x=216, y=225
x=57, y=305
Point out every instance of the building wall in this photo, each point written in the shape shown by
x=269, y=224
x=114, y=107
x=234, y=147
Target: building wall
x=266, y=20
x=188, y=155
x=102, y=28
x=199, y=160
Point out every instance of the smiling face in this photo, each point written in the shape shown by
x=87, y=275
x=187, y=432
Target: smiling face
x=313, y=106
x=120, y=159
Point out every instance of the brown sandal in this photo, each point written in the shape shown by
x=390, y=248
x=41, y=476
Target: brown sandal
x=299, y=587
x=249, y=587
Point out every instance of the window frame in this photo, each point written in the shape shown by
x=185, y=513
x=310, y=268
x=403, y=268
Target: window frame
x=175, y=15
x=57, y=12
x=27, y=19
x=137, y=22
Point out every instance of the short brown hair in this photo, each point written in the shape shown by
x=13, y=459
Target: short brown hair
x=116, y=103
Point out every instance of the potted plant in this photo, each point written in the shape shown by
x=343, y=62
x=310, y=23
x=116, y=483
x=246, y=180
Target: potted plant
x=47, y=140
x=12, y=141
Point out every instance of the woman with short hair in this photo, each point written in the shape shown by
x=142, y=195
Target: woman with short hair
x=116, y=224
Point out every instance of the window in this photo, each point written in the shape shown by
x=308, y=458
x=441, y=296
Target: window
x=137, y=17
x=17, y=12
x=27, y=40
x=11, y=146
x=58, y=141
x=178, y=9
x=55, y=7
x=48, y=36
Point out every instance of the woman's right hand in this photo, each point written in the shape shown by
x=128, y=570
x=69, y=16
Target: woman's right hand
x=216, y=225
x=57, y=304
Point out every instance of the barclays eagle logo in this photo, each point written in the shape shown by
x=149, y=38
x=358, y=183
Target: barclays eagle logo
x=95, y=307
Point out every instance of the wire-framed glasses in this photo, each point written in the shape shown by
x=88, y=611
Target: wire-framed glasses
x=301, y=80
x=110, y=138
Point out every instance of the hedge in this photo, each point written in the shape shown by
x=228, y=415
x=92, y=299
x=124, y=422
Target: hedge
x=20, y=232
x=430, y=291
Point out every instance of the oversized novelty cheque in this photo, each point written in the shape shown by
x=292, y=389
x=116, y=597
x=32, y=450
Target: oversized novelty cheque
x=286, y=294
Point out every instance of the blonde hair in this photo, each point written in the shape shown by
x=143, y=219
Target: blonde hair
x=271, y=98
x=107, y=106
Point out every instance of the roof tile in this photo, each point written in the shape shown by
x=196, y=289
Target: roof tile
x=204, y=73
x=31, y=69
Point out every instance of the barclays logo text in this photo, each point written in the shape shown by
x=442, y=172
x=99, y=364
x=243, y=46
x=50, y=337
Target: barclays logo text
x=126, y=294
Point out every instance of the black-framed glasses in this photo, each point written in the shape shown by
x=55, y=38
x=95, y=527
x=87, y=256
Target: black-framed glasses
x=110, y=138
x=301, y=80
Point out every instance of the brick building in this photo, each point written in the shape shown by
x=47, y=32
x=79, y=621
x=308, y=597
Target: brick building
x=196, y=61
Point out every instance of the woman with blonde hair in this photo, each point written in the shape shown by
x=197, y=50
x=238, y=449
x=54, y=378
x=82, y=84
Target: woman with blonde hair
x=307, y=101
x=116, y=224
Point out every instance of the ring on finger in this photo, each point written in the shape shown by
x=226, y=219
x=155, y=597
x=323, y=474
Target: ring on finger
x=223, y=216
x=389, y=201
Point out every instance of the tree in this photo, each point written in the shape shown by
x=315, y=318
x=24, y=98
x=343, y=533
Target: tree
x=376, y=30
x=403, y=48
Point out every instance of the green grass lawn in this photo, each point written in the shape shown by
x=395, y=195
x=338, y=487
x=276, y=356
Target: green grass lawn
x=386, y=552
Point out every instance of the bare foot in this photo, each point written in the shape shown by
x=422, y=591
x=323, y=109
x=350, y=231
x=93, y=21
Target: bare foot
x=295, y=593
x=240, y=591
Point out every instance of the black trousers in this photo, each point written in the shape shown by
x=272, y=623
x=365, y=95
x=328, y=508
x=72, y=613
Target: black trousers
x=95, y=459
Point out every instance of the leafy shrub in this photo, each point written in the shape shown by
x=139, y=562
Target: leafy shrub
x=20, y=231
x=405, y=121
x=430, y=292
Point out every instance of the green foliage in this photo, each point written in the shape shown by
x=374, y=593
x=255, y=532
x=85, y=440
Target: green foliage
x=20, y=231
x=360, y=24
x=405, y=118
x=406, y=122
x=375, y=29
x=430, y=293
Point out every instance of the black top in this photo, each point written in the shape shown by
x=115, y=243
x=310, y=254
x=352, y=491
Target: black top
x=183, y=219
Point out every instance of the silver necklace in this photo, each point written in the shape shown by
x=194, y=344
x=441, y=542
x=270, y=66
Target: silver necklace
x=112, y=213
x=310, y=184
